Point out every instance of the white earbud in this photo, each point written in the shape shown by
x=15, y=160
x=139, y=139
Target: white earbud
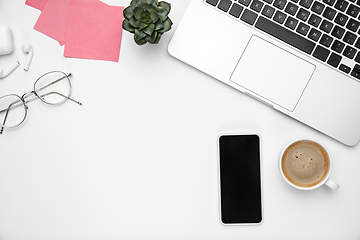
x=27, y=48
x=5, y=73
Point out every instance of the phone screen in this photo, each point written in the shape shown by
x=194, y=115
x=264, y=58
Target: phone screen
x=240, y=179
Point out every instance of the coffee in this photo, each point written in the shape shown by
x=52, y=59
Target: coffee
x=305, y=163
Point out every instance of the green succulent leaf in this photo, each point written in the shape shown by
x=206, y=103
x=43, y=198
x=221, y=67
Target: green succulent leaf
x=149, y=1
x=154, y=17
x=138, y=3
x=165, y=5
x=167, y=26
x=151, y=7
x=163, y=13
x=157, y=40
x=142, y=25
x=141, y=41
x=133, y=22
x=126, y=25
x=152, y=38
x=159, y=24
x=149, y=29
x=140, y=34
x=137, y=12
x=133, y=2
x=128, y=12
x=153, y=12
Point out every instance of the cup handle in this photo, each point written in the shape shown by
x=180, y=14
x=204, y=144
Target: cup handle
x=331, y=184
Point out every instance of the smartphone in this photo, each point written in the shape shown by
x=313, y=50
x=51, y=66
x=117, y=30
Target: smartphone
x=240, y=179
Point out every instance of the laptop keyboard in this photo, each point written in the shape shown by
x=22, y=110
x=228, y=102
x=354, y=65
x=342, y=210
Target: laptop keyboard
x=327, y=30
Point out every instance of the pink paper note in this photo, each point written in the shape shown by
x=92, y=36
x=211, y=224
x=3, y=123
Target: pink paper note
x=38, y=4
x=53, y=18
x=93, y=31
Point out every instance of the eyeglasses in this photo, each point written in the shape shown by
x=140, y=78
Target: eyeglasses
x=51, y=88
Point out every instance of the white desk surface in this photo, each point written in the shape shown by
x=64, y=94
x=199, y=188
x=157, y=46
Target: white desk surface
x=139, y=159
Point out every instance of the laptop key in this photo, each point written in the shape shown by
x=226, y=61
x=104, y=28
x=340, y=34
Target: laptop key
x=303, y=14
x=314, y=20
x=338, y=32
x=353, y=25
x=245, y=2
x=306, y=3
x=291, y=23
x=357, y=58
x=249, y=17
x=334, y=59
x=349, y=38
x=303, y=28
x=344, y=68
x=341, y=5
x=224, y=5
x=326, y=26
x=280, y=17
x=329, y=2
x=268, y=11
x=329, y=13
x=353, y=10
x=291, y=8
x=356, y=74
x=212, y=2
x=236, y=10
x=349, y=52
x=341, y=19
x=314, y=34
x=256, y=5
x=317, y=7
x=338, y=46
x=285, y=35
x=326, y=40
x=321, y=53
x=280, y=4
x=356, y=71
x=357, y=44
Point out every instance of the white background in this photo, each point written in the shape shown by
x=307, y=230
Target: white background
x=139, y=159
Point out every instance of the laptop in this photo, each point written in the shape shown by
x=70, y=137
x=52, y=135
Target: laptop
x=300, y=57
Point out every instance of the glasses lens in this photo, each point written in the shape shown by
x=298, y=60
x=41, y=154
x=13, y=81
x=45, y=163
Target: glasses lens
x=53, y=87
x=12, y=111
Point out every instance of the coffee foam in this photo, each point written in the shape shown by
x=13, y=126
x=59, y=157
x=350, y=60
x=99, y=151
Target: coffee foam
x=305, y=163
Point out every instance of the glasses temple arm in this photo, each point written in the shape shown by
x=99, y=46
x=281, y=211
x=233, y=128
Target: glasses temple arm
x=12, y=105
x=62, y=96
x=6, y=115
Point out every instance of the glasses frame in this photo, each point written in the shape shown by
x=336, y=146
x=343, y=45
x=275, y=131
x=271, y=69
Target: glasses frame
x=23, y=99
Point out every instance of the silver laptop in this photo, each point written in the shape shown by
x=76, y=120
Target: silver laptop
x=300, y=57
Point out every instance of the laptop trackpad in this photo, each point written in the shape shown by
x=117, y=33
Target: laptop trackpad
x=272, y=73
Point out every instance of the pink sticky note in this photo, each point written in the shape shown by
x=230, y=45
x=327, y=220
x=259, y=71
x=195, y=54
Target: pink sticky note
x=53, y=18
x=93, y=31
x=38, y=4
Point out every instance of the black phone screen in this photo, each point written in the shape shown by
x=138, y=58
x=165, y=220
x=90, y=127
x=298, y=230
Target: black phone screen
x=240, y=179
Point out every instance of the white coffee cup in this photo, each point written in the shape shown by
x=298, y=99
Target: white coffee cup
x=306, y=157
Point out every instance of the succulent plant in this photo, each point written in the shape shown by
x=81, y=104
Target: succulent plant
x=147, y=19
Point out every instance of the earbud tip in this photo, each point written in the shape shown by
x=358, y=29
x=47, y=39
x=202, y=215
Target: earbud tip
x=26, y=47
